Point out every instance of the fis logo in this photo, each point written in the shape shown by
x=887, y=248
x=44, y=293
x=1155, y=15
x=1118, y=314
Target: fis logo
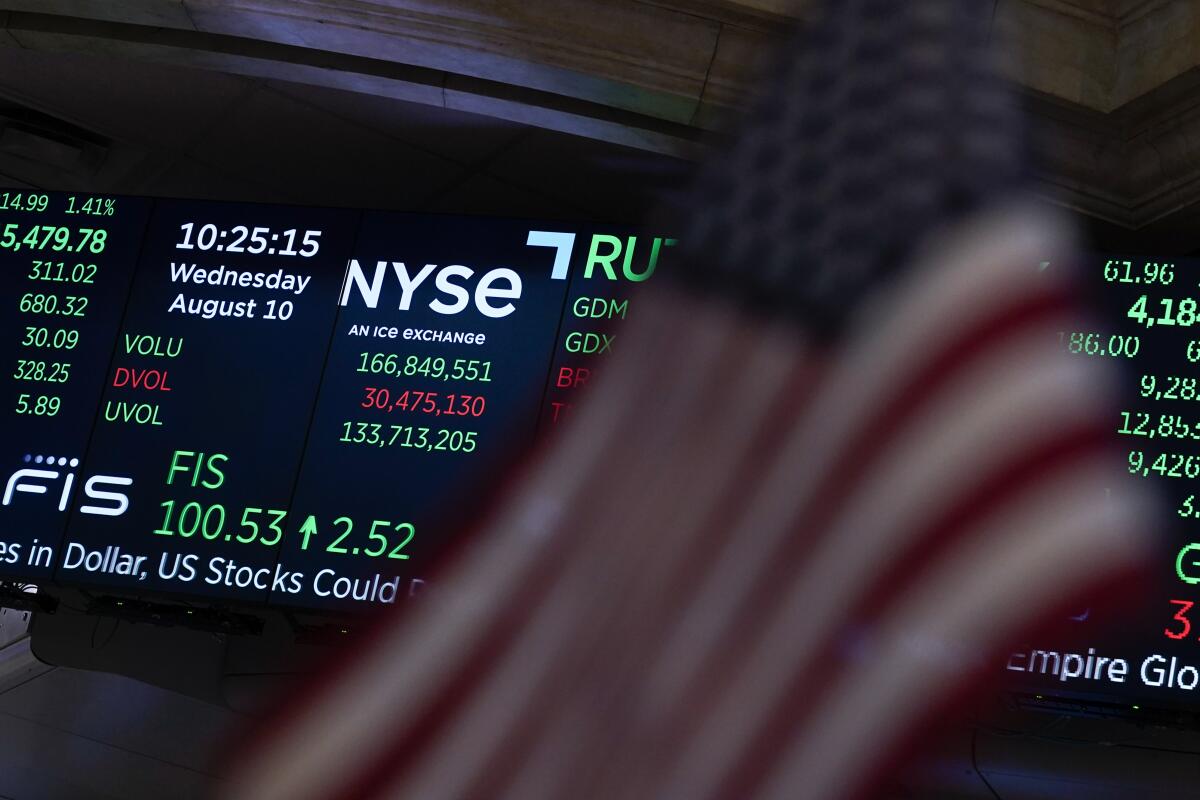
x=51, y=471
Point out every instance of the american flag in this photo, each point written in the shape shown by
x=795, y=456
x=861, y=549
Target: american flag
x=838, y=466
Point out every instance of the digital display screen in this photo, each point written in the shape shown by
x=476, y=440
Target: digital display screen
x=1148, y=328
x=281, y=405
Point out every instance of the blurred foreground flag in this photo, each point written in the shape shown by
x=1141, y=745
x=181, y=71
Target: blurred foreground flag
x=837, y=467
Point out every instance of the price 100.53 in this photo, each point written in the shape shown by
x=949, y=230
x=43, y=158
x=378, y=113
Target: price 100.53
x=266, y=526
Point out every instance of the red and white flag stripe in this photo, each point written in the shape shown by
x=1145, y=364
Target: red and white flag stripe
x=754, y=565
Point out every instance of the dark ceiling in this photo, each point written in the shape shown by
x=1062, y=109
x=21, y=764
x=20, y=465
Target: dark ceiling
x=106, y=124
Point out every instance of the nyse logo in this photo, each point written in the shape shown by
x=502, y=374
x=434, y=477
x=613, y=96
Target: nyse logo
x=51, y=471
x=497, y=284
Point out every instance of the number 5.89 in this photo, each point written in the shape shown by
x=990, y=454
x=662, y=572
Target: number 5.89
x=39, y=406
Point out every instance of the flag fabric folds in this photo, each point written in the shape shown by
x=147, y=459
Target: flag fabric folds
x=838, y=465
